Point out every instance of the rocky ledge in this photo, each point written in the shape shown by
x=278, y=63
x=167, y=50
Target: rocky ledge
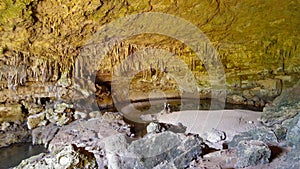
x=104, y=140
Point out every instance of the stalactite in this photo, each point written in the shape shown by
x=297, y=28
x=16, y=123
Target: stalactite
x=10, y=80
x=50, y=71
x=23, y=75
x=76, y=69
x=44, y=73
x=15, y=72
x=56, y=71
x=36, y=73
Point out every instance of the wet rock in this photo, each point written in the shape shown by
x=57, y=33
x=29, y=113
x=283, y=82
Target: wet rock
x=155, y=149
x=154, y=127
x=262, y=134
x=69, y=156
x=36, y=120
x=251, y=153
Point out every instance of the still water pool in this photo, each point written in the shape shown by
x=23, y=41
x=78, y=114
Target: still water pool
x=12, y=155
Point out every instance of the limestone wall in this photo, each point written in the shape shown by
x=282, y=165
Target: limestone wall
x=41, y=40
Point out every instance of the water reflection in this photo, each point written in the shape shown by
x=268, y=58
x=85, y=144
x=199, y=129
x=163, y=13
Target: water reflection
x=134, y=111
x=11, y=156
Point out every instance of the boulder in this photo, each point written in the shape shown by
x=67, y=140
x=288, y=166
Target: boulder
x=293, y=132
x=251, y=153
x=154, y=127
x=43, y=135
x=83, y=133
x=262, y=134
x=69, y=156
x=166, y=148
x=214, y=136
x=292, y=159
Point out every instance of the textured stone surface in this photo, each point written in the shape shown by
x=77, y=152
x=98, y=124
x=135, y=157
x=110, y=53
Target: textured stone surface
x=292, y=160
x=68, y=156
x=154, y=127
x=11, y=113
x=251, y=153
x=262, y=134
x=156, y=149
x=284, y=107
x=49, y=35
x=14, y=133
x=43, y=135
x=36, y=120
x=293, y=136
x=214, y=136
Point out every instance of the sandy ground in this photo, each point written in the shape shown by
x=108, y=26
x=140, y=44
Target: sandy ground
x=201, y=121
x=231, y=122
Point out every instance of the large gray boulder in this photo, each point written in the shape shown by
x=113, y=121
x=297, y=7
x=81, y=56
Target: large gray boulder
x=292, y=160
x=154, y=150
x=293, y=132
x=251, y=153
x=262, y=134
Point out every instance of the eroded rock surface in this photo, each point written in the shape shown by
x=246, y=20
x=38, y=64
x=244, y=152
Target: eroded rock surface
x=69, y=156
x=251, y=153
x=155, y=150
x=283, y=108
x=263, y=134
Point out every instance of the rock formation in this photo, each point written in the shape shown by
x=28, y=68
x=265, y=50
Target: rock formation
x=52, y=82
